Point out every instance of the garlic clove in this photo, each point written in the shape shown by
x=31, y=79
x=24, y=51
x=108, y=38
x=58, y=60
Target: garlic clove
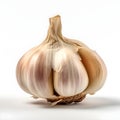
x=95, y=68
x=35, y=73
x=70, y=76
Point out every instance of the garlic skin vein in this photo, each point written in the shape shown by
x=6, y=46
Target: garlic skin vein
x=60, y=70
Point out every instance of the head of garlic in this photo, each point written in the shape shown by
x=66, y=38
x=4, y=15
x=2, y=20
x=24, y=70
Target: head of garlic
x=60, y=70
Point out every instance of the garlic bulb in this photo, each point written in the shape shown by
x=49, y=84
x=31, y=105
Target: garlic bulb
x=60, y=70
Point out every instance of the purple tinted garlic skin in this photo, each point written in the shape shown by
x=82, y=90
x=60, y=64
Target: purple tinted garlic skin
x=60, y=70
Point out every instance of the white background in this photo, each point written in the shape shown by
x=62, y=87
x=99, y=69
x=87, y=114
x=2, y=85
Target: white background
x=24, y=24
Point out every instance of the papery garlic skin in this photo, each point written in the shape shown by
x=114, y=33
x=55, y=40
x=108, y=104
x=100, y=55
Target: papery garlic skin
x=60, y=70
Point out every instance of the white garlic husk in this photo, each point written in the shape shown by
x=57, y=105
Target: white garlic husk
x=60, y=70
